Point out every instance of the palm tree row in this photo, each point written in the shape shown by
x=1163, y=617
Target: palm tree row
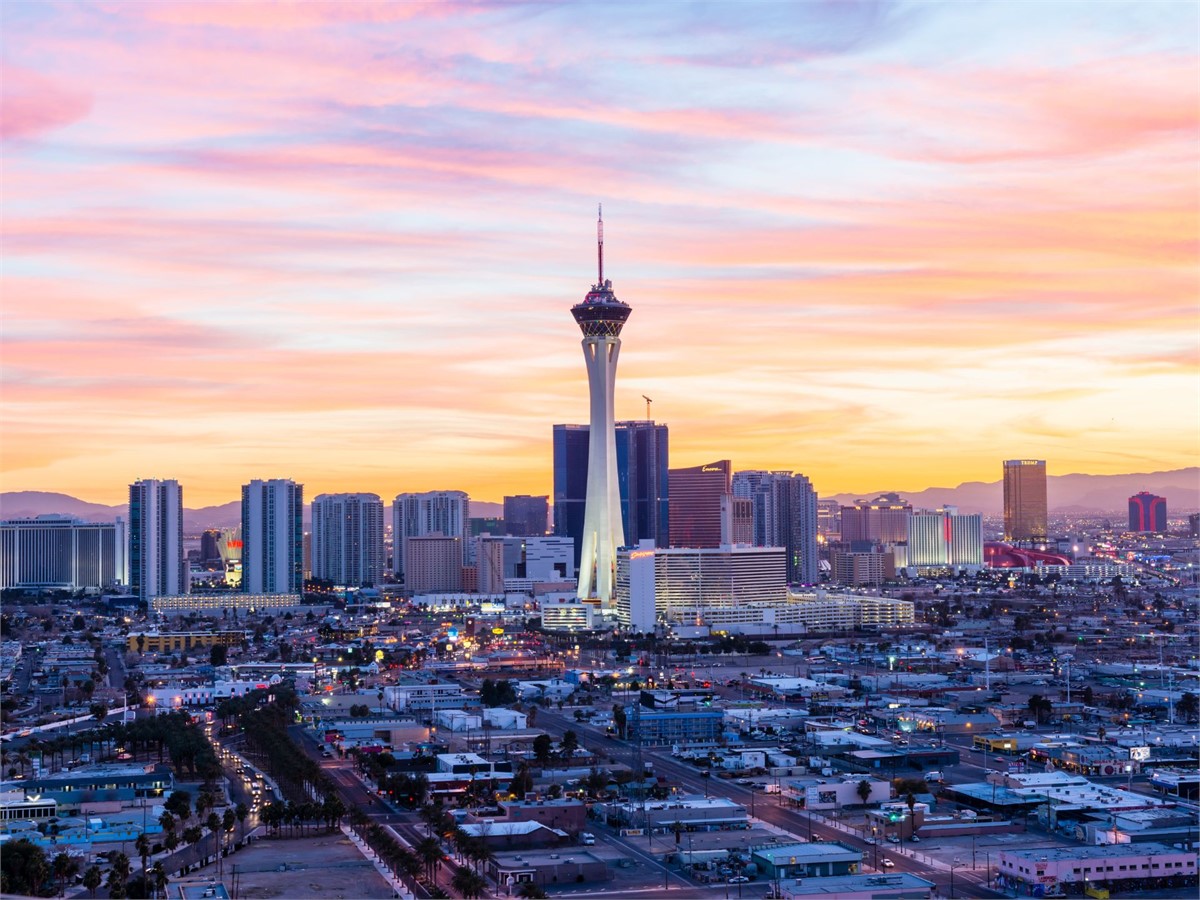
x=304, y=814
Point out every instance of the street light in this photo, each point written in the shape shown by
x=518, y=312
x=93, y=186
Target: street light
x=957, y=864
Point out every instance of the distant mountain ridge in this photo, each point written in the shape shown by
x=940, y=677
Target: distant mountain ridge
x=27, y=504
x=1076, y=493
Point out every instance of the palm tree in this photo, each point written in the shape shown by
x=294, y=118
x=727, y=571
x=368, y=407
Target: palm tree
x=63, y=868
x=864, y=790
x=429, y=850
x=142, y=844
x=213, y=824
x=228, y=822
x=159, y=879
x=193, y=834
x=92, y=879
x=469, y=884
x=242, y=812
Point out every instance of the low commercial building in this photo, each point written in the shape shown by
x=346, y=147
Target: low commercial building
x=688, y=813
x=806, y=860
x=1119, y=867
x=421, y=696
x=839, y=793
x=545, y=868
x=173, y=697
x=891, y=886
x=75, y=787
x=170, y=641
x=565, y=814
x=569, y=614
x=225, y=603
x=675, y=727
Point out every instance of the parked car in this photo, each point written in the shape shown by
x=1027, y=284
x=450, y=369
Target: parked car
x=587, y=838
x=886, y=863
x=737, y=879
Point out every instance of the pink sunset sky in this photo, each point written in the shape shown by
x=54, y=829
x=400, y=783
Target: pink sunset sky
x=880, y=244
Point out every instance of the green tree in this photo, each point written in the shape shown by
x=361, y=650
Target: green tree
x=541, y=749
x=218, y=654
x=569, y=744
x=522, y=782
x=530, y=891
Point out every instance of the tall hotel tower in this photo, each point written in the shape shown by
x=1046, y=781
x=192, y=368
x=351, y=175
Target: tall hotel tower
x=272, y=537
x=157, y=566
x=601, y=316
x=1024, y=500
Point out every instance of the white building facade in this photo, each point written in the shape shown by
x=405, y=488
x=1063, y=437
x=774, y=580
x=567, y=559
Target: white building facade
x=347, y=539
x=272, y=537
x=63, y=553
x=157, y=565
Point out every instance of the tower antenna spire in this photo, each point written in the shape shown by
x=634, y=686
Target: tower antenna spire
x=600, y=243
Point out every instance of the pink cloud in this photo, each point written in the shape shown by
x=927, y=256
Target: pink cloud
x=32, y=104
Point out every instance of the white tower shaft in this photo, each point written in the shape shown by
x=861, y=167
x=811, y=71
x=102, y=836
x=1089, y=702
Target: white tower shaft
x=603, y=530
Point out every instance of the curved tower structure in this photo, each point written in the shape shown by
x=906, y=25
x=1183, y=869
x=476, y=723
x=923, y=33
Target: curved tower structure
x=601, y=316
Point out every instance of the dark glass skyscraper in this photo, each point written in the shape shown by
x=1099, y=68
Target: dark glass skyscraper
x=525, y=515
x=642, y=463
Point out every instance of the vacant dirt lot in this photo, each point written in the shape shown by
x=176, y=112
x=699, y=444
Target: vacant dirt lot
x=325, y=866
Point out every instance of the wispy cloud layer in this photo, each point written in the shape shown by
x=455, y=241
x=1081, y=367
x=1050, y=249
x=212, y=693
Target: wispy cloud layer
x=879, y=243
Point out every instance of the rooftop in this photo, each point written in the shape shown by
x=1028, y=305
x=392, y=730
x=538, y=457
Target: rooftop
x=1105, y=851
x=852, y=884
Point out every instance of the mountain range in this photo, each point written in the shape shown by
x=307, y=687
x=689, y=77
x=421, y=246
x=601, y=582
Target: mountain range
x=1066, y=494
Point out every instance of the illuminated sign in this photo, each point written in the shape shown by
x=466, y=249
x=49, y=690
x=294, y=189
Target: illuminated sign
x=1139, y=754
x=711, y=469
x=497, y=631
x=641, y=554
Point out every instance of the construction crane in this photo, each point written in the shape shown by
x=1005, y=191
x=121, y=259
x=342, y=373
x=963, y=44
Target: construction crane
x=648, y=402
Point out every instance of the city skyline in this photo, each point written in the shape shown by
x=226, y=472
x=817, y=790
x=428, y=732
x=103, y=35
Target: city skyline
x=879, y=244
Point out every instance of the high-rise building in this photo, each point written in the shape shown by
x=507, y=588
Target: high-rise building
x=347, y=539
x=829, y=519
x=63, y=553
x=783, y=514
x=1025, y=500
x=272, y=537
x=600, y=317
x=942, y=538
x=434, y=564
x=210, y=548
x=642, y=465
x=1148, y=512
x=157, y=565
x=883, y=520
x=701, y=506
x=526, y=515
x=446, y=513
x=691, y=584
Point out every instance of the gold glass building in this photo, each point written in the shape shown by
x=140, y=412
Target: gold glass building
x=1025, y=500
